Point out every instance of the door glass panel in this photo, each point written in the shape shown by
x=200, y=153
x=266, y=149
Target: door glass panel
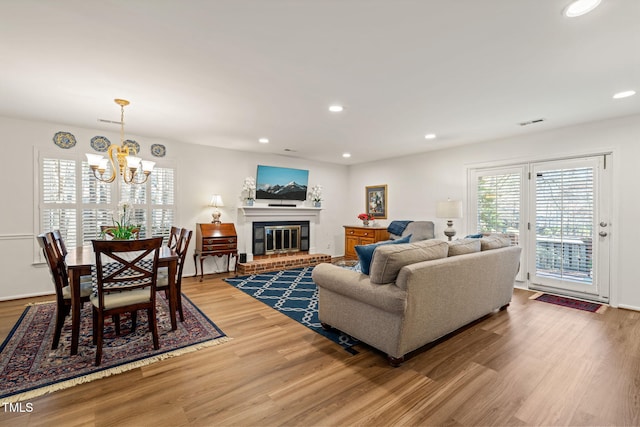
x=564, y=224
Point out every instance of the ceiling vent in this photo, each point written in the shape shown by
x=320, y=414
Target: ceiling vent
x=530, y=122
x=112, y=122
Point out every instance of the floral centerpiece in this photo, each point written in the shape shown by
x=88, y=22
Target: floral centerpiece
x=315, y=194
x=249, y=189
x=122, y=228
x=365, y=218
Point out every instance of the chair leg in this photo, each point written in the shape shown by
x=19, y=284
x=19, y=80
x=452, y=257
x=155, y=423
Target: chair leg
x=60, y=315
x=99, y=339
x=134, y=320
x=95, y=326
x=153, y=327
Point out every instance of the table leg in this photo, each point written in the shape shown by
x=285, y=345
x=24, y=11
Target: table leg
x=201, y=268
x=74, y=282
x=173, y=294
x=195, y=264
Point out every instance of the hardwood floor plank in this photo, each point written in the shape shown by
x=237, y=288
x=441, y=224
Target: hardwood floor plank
x=532, y=364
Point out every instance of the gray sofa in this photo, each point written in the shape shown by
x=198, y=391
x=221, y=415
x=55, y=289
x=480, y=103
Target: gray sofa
x=417, y=292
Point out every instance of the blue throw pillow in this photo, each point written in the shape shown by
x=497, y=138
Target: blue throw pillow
x=365, y=252
x=474, y=236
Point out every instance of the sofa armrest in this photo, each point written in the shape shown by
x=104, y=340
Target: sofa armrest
x=357, y=286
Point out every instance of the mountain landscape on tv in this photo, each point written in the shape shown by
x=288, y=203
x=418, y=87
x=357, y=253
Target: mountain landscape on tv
x=290, y=191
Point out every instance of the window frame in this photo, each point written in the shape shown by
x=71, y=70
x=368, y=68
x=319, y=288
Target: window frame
x=80, y=206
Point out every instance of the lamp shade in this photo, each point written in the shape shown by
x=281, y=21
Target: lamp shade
x=216, y=200
x=449, y=209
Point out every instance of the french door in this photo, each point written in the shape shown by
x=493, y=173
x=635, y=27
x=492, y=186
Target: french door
x=570, y=230
x=558, y=212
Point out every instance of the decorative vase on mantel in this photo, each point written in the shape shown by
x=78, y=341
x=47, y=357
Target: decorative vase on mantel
x=365, y=222
x=317, y=204
x=249, y=202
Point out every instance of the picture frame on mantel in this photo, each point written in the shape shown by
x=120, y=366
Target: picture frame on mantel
x=376, y=201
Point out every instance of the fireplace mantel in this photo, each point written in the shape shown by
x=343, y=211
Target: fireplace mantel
x=271, y=211
x=247, y=215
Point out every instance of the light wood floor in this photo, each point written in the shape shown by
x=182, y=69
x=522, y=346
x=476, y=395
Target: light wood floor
x=533, y=364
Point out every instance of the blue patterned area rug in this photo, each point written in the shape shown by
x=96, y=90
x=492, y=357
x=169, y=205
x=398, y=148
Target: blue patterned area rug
x=29, y=368
x=291, y=292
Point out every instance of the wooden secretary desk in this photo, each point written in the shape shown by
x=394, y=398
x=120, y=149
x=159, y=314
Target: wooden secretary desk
x=359, y=235
x=215, y=240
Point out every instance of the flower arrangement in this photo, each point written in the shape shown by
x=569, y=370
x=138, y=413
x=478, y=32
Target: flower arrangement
x=365, y=217
x=122, y=228
x=249, y=187
x=316, y=193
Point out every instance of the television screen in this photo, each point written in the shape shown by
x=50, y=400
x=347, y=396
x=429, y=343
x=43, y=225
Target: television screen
x=281, y=183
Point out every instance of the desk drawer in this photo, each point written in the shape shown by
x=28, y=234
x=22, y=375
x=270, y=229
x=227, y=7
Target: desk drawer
x=219, y=240
x=219, y=247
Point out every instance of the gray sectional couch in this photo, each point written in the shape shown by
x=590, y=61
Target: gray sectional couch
x=417, y=292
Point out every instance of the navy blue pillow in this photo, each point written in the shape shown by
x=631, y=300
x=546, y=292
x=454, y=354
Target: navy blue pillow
x=474, y=236
x=365, y=252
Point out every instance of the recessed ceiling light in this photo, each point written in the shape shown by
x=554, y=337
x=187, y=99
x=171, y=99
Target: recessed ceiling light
x=580, y=7
x=336, y=108
x=346, y=155
x=625, y=94
x=430, y=136
x=263, y=140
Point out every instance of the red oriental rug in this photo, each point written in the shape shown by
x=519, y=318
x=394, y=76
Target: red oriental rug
x=569, y=302
x=29, y=368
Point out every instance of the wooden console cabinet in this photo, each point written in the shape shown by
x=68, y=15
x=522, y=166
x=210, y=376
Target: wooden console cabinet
x=360, y=235
x=215, y=240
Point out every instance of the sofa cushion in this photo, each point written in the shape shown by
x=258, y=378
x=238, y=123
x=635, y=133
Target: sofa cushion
x=494, y=241
x=389, y=259
x=365, y=252
x=464, y=246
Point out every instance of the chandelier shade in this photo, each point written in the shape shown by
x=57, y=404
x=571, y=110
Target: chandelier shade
x=122, y=159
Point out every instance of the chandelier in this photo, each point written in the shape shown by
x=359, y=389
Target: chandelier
x=121, y=156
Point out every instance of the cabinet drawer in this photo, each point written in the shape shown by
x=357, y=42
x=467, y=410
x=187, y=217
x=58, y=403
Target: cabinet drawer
x=358, y=232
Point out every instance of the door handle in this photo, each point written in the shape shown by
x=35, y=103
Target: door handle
x=603, y=224
x=603, y=234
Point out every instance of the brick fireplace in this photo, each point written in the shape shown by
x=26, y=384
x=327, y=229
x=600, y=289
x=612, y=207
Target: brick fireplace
x=277, y=238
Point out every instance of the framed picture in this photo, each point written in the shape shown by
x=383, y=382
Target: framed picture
x=376, y=201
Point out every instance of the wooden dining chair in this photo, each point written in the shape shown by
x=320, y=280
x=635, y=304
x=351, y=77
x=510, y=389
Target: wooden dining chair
x=126, y=275
x=60, y=279
x=163, y=279
x=174, y=237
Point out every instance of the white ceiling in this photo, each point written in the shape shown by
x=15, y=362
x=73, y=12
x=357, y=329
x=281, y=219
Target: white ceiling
x=225, y=73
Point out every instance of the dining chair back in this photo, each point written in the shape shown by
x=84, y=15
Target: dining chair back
x=58, y=271
x=59, y=243
x=126, y=275
x=163, y=281
x=174, y=237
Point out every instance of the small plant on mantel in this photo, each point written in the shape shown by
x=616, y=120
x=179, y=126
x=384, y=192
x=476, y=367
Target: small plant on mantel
x=249, y=189
x=315, y=194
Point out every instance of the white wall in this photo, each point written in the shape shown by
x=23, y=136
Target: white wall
x=201, y=171
x=418, y=182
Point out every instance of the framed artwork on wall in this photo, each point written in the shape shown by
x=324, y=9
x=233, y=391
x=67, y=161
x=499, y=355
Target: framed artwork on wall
x=376, y=201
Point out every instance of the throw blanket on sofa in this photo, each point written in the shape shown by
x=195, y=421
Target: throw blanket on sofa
x=398, y=227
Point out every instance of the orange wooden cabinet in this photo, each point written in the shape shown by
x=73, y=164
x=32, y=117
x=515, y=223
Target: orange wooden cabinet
x=215, y=240
x=360, y=235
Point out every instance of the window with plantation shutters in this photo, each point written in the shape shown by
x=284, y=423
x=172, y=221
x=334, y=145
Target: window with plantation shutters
x=77, y=204
x=499, y=203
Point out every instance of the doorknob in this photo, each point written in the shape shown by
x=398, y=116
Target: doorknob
x=603, y=234
x=603, y=224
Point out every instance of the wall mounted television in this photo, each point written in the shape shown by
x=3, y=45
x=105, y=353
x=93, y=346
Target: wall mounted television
x=276, y=183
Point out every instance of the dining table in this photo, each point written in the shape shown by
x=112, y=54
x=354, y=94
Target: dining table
x=79, y=262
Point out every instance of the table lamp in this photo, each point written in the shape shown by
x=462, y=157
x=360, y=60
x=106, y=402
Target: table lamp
x=449, y=210
x=216, y=202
